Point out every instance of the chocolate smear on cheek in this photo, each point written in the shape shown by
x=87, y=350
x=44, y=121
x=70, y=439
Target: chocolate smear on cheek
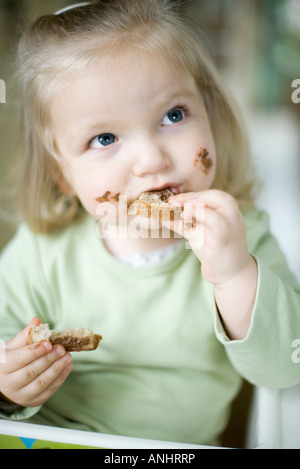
x=203, y=161
x=108, y=197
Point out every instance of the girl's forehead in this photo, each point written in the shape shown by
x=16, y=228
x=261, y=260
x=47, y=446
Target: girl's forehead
x=117, y=54
x=115, y=81
x=130, y=75
x=112, y=87
x=131, y=61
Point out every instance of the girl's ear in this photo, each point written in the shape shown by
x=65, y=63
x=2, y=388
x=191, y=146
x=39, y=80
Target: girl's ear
x=64, y=185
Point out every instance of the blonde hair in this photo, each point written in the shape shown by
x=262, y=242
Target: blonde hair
x=56, y=45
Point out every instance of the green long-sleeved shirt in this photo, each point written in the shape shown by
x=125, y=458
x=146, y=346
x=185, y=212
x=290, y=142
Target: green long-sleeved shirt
x=165, y=368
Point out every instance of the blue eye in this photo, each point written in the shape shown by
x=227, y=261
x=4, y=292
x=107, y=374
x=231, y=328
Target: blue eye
x=103, y=140
x=174, y=116
x=106, y=139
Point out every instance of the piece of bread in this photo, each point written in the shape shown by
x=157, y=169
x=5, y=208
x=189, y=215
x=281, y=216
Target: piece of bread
x=74, y=340
x=155, y=205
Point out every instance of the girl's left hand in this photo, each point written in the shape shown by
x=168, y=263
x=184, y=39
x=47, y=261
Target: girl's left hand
x=214, y=226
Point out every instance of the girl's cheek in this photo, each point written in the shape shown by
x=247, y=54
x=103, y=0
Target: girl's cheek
x=203, y=161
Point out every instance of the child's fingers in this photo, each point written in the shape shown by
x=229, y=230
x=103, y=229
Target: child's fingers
x=216, y=210
x=216, y=224
x=174, y=225
x=17, y=359
x=49, y=390
x=25, y=385
x=32, y=373
x=193, y=216
x=36, y=368
x=45, y=385
x=181, y=199
x=47, y=377
x=189, y=229
x=21, y=339
x=212, y=199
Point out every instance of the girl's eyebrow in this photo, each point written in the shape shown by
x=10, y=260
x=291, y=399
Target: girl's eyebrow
x=90, y=129
x=178, y=95
x=84, y=131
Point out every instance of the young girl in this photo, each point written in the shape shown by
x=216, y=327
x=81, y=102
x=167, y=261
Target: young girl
x=120, y=99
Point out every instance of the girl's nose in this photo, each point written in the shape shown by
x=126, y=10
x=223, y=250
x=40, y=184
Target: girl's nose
x=149, y=159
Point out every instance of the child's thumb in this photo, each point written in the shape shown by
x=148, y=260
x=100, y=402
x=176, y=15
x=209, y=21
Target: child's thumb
x=21, y=339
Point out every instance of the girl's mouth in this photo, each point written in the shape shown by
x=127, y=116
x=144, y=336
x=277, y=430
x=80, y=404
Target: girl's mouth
x=167, y=190
x=175, y=189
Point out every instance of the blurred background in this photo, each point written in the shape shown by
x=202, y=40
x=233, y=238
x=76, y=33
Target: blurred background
x=256, y=43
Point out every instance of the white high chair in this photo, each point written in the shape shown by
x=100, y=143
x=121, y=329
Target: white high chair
x=275, y=419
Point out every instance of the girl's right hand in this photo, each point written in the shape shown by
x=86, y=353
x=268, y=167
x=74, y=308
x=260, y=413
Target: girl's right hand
x=31, y=374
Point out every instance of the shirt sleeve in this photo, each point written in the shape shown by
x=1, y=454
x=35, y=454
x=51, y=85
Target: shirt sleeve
x=24, y=292
x=15, y=413
x=20, y=300
x=265, y=356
